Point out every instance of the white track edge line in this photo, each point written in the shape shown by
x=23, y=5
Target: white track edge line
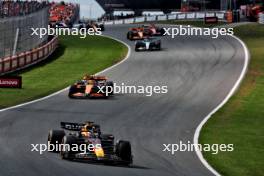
x=230, y=94
x=60, y=91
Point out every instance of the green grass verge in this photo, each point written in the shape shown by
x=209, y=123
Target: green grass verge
x=240, y=121
x=70, y=62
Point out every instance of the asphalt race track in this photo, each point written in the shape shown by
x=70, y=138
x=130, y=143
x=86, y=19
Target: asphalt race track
x=199, y=73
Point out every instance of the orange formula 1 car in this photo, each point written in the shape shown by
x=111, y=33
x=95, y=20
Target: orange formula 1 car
x=91, y=87
x=145, y=31
x=154, y=30
x=139, y=33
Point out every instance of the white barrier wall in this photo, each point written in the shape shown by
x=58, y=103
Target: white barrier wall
x=210, y=14
x=139, y=19
x=129, y=21
x=109, y=22
x=162, y=18
x=176, y=16
x=151, y=18
x=220, y=15
x=119, y=22
x=172, y=17
x=190, y=16
x=200, y=15
x=181, y=16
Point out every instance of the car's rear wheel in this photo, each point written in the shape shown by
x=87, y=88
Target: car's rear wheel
x=161, y=31
x=55, y=137
x=102, y=27
x=159, y=47
x=130, y=35
x=72, y=91
x=110, y=84
x=66, y=151
x=123, y=150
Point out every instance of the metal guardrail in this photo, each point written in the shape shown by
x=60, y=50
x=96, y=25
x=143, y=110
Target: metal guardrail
x=26, y=59
x=176, y=16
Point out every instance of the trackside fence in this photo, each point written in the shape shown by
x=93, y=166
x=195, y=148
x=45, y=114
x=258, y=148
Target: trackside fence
x=16, y=32
x=177, y=16
x=26, y=59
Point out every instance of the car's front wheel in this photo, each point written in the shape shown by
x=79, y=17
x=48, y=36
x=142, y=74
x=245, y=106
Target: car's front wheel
x=123, y=150
x=54, y=138
x=72, y=91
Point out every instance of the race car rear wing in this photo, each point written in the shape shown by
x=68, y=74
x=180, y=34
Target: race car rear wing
x=99, y=78
x=92, y=77
x=72, y=126
x=78, y=126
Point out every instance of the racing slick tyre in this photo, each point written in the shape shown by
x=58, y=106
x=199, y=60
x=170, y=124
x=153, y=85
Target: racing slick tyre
x=102, y=27
x=123, y=150
x=110, y=84
x=67, y=153
x=55, y=137
x=72, y=90
x=159, y=47
x=130, y=35
x=161, y=31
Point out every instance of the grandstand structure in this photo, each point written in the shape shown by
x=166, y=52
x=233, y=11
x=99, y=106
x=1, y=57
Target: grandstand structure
x=20, y=8
x=67, y=13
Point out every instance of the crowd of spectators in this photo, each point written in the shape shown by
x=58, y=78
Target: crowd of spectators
x=63, y=12
x=18, y=8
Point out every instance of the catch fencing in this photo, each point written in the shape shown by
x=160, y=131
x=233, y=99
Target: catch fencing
x=16, y=33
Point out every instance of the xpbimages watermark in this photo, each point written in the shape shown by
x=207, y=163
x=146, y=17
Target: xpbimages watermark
x=190, y=147
x=82, y=32
x=41, y=148
x=196, y=31
x=130, y=89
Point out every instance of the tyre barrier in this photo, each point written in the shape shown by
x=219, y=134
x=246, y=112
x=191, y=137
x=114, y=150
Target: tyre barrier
x=26, y=59
x=261, y=18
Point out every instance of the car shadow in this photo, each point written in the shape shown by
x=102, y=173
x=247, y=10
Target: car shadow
x=133, y=166
x=150, y=51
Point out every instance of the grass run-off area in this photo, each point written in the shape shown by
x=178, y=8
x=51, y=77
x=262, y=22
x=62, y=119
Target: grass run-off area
x=240, y=121
x=73, y=58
